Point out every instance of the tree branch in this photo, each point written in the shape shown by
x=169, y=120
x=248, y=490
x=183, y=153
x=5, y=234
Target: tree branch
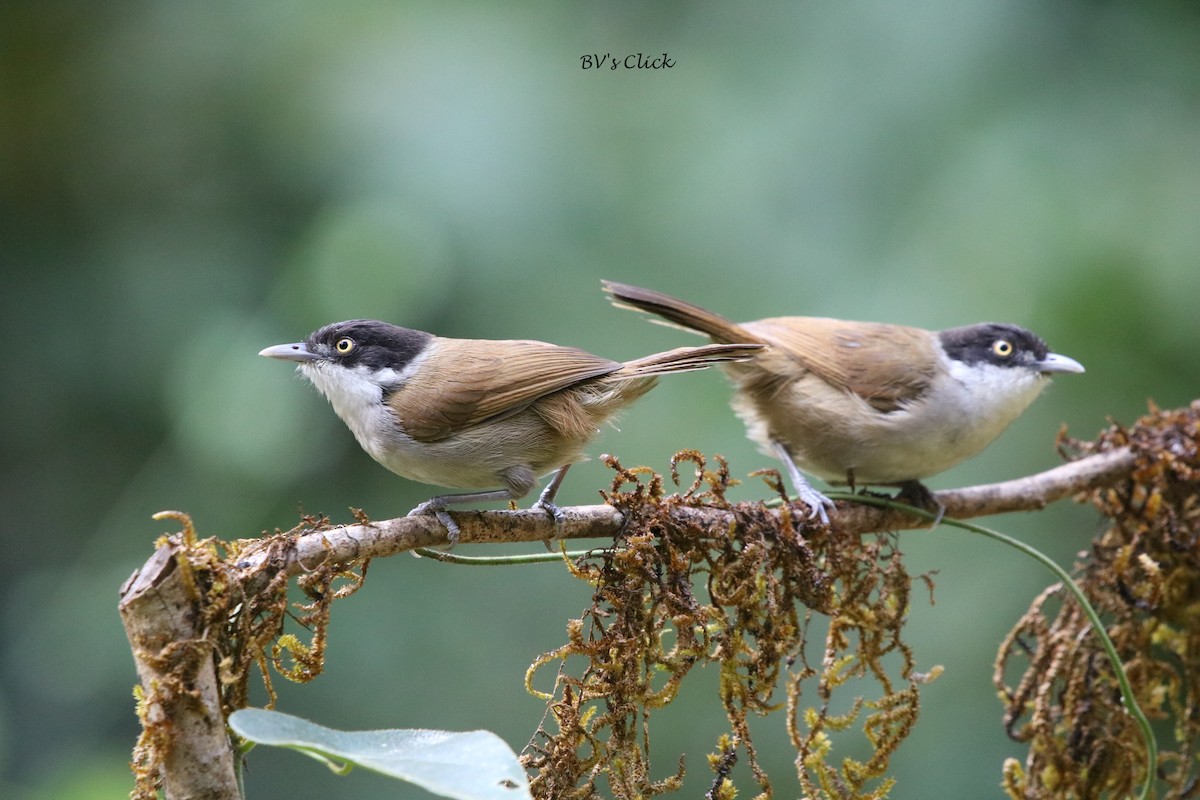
x=389, y=537
x=181, y=700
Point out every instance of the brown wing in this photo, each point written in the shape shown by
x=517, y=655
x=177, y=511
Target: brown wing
x=482, y=379
x=858, y=357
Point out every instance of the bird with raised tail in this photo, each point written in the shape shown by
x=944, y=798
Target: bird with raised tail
x=868, y=402
x=491, y=416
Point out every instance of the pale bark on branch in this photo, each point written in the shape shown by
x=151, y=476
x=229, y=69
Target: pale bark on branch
x=388, y=537
x=181, y=717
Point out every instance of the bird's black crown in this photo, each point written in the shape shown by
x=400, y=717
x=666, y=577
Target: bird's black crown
x=996, y=343
x=369, y=343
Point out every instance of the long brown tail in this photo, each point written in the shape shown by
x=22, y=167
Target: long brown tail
x=686, y=359
x=678, y=313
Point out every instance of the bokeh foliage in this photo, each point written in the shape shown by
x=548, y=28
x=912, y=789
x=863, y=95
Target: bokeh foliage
x=183, y=184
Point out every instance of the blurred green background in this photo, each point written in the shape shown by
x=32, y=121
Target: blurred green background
x=182, y=184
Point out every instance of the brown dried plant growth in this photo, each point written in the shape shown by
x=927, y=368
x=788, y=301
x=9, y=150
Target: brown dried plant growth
x=1143, y=576
x=240, y=628
x=678, y=592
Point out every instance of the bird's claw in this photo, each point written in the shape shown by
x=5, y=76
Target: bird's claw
x=557, y=516
x=918, y=495
x=438, y=510
x=818, y=504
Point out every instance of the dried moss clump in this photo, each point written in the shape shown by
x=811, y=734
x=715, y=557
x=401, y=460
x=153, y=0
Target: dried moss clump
x=1143, y=576
x=738, y=592
x=239, y=625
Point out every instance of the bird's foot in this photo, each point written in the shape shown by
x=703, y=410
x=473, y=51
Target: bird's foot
x=818, y=504
x=557, y=516
x=435, y=508
x=545, y=502
x=917, y=494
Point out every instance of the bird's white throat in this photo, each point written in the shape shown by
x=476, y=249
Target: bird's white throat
x=356, y=395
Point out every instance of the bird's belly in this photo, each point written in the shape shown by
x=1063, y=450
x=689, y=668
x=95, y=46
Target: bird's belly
x=952, y=424
x=480, y=457
x=437, y=463
x=505, y=453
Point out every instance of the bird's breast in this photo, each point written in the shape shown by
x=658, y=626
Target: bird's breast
x=830, y=432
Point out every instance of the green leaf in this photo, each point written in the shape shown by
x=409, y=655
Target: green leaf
x=476, y=765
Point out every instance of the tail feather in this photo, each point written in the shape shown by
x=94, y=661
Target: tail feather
x=678, y=313
x=686, y=359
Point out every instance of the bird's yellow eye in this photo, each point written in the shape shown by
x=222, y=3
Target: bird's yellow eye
x=344, y=345
x=1002, y=348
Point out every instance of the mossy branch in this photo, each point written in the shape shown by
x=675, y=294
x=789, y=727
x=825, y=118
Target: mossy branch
x=348, y=543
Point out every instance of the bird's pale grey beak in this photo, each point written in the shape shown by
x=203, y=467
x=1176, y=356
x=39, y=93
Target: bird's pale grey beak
x=1053, y=362
x=300, y=352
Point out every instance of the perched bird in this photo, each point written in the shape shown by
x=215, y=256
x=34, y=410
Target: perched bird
x=477, y=414
x=868, y=402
